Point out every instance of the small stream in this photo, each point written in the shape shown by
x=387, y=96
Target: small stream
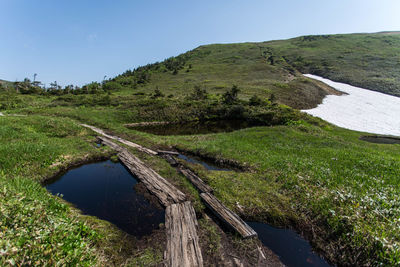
x=208, y=165
x=107, y=190
x=292, y=249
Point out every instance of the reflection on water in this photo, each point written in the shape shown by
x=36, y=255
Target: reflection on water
x=291, y=248
x=106, y=190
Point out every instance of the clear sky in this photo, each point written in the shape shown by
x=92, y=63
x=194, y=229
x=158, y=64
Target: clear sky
x=79, y=41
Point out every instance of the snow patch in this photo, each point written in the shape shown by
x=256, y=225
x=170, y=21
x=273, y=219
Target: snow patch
x=360, y=110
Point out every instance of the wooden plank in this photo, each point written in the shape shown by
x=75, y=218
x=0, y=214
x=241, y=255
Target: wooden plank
x=107, y=142
x=183, y=247
x=195, y=180
x=228, y=216
x=168, y=152
x=119, y=139
x=171, y=160
x=166, y=193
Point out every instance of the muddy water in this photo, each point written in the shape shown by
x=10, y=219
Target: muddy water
x=291, y=248
x=107, y=190
x=194, y=127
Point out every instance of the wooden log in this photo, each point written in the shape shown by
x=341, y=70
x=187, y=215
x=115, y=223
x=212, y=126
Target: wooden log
x=171, y=160
x=107, y=142
x=183, y=247
x=119, y=139
x=168, y=152
x=166, y=193
x=195, y=180
x=228, y=216
x=155, y=183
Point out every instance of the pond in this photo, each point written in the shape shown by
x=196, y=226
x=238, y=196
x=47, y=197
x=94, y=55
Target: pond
x=381, y=139
x=291, y=248
x=360, y=109
x=189, y=128
x=107, y=190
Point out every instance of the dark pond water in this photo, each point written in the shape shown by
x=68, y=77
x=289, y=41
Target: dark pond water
x=291, y=248
x=381, y=139
x=194, y=127
x=209, y=166
x=106, y=190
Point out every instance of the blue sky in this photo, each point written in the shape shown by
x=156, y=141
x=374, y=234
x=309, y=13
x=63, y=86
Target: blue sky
x=81, y=41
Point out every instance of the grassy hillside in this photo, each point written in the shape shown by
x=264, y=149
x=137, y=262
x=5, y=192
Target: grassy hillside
x=215, y=68
x=366, y=60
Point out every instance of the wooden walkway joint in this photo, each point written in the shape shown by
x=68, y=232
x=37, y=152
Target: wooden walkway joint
x=121, y=140
x=182, y=241
x=166, y=193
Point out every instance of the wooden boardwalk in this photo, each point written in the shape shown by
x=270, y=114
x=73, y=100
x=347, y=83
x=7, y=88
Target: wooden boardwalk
x=181, y=224
x=183, y=248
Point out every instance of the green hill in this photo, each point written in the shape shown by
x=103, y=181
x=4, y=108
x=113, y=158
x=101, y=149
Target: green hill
x=251, y=66
x=366, y=60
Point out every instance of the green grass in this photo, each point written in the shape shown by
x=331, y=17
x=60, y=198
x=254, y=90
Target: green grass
x=308, y=174
x=320, y=177
x=37, y=228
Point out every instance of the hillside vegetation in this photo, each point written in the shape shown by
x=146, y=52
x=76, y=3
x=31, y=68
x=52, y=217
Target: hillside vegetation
x=369, y=61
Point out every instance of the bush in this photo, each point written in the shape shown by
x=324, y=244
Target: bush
x=157, y=93
x=255, y=101
x=112, y=86
x=231, y=96
x=198, y=93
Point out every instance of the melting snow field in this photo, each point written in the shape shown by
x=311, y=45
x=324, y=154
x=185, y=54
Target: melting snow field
x=361, y=110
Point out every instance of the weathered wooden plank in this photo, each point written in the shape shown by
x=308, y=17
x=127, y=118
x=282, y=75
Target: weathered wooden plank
x=171, y=160
x=108, y=142
x=119, y=139
x=228, y=216
x=168, y=152
x=183, y=247
x=195, y=180
x=166, y=192
x=155, y=183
